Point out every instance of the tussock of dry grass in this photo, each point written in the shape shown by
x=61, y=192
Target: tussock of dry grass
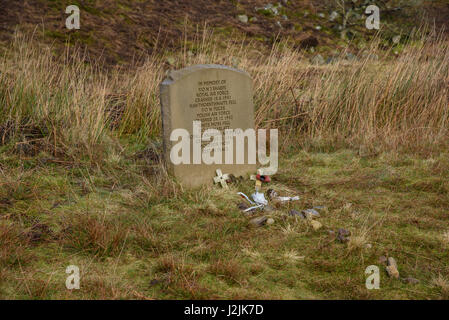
x=442, y=284
x=368, y=104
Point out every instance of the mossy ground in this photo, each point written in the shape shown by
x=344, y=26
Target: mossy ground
x=134, y=233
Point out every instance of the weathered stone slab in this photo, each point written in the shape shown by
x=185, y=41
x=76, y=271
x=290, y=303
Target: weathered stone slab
x=221, y=98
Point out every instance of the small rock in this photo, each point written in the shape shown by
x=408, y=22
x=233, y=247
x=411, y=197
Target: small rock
x=331, y=60
x=410, y=280
x=259, y=221
x=392, y=268
x=318, y=59
x=270, y=221
x=368, y=246
x=318, y=28
x=370, y=56
x=315, y=224
x=253, y=19
x=311, y=213
x=343, y=235
x=334, y=15
x=243, y=18
x=396, y=39
x=321, y=15
x=392, y=262
x=392, y=272
x=293, y=212
x=351, y=57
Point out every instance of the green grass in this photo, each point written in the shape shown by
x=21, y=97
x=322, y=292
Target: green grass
x=135, y=234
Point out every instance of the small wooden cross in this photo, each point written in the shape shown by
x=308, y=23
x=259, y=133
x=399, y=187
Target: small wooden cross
x=221, y=178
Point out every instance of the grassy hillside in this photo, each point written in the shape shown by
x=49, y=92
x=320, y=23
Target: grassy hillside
x=124, y=31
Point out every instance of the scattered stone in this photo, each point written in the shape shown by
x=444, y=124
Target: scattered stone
x=331, y=60
x=321, y=15
x=343, y=235
x=315, y=224
x=293, y=212
x=243, y=18
x=258, y=222
x=410, y=280
x=318, y=28
x=318, y=59
x=392, y=272
x=334, y=15
x=392, y=268
x=392, y=262
x=311, y=213
x=368, y=246
x=269, y=9
x=396, y=39
x=270, y=221
x=370, y=56
x=253, y=19
x=351, y=57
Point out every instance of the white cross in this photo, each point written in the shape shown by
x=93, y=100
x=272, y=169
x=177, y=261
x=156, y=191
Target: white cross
x=221, y=178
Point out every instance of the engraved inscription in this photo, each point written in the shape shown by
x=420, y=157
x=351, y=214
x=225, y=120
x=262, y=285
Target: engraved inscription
x=212, y=106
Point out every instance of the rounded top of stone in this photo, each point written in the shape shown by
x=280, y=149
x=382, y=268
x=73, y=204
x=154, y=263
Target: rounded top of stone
x=179, y=74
